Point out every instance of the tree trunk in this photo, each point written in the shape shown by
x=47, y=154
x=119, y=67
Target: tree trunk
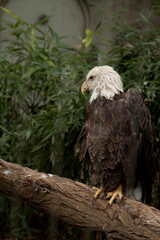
x=71, y=201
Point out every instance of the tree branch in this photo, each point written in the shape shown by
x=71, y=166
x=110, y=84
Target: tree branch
x=71, y=201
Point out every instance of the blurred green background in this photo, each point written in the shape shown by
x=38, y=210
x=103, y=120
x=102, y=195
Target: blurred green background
x=42, y=108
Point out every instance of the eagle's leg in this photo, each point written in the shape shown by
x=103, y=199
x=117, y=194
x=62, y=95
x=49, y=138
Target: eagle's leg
x=96, y=195
x=113, y=195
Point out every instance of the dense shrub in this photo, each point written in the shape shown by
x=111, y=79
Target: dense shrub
x=41, y=106
x=136, y=56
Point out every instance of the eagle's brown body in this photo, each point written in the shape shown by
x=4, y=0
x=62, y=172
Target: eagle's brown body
x=117, y=141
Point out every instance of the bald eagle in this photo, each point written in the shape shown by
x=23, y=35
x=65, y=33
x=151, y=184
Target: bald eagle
x=117, y=139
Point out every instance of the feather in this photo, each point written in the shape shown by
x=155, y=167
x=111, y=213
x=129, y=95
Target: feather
x=117, y=141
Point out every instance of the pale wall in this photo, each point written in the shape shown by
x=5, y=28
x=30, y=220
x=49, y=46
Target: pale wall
x=72, y=17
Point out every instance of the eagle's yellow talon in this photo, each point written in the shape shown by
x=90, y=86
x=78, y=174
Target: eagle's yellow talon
x=109, y=195
x=114, y=195
x=96, y=195
x=108, y=205
x=95, y=188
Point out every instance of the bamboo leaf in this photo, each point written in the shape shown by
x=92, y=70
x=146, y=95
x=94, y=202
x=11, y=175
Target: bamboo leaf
x=11, y=13
x=89, y=38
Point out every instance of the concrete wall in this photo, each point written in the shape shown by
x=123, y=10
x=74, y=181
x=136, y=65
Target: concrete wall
x=131, y=9
x=72, y=17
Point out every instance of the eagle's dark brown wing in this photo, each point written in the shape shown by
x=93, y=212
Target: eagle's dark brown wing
x=114, y=141
x=142, y=154
x=104, y=139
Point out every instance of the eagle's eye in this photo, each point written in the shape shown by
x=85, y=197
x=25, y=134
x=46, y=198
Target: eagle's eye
x=91, y=78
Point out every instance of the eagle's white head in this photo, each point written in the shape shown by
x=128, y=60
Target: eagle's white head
x=103, y=81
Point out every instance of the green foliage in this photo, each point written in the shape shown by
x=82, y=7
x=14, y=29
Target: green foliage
x=41, y=104
x=136, y=56
x=89, y=38
x=40, y=92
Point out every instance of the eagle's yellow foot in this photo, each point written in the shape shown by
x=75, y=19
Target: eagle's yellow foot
x=96, y=195
x=113, y=195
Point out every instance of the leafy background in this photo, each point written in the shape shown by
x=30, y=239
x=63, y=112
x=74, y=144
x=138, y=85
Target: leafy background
x=42, y=108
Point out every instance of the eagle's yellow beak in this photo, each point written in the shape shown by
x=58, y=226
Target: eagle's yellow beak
x=84, y=87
